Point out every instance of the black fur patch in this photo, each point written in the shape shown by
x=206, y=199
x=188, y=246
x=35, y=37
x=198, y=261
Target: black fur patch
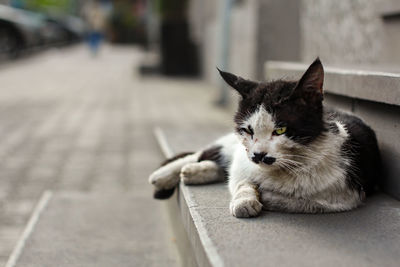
x=244, y=87
x=214, y=154
x=163, y=194
x=303, y=120
x=178, y=156
x=362, y=147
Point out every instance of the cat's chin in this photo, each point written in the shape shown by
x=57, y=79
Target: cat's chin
x=266, y=167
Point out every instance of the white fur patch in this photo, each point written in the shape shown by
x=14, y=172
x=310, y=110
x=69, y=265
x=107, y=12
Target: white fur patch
x=261, y=121
x=245, y=201
x=245, y=207
x=167, y=177
x=229, y=144
x=342, y=129
x=200, y=172
x=263, y=140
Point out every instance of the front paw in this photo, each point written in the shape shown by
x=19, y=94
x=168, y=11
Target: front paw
x=245, y=207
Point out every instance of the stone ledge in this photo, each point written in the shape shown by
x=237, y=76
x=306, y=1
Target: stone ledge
x=368, y=236
x=361, y=84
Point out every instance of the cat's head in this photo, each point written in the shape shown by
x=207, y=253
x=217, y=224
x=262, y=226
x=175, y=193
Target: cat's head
x=276, y=120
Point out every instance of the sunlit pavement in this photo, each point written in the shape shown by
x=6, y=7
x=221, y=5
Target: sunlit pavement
x=73, y=123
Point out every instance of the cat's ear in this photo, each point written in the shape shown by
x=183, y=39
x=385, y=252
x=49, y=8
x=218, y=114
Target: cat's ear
x=309, y=87
x=244, y=87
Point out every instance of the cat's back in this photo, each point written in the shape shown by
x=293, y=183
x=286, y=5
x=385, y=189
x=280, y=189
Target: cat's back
x=362, y=148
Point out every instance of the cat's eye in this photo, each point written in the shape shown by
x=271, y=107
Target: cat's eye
x=279, y=131
x=248, y=130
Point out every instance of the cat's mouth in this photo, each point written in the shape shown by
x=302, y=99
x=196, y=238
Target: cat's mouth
x=262, y=158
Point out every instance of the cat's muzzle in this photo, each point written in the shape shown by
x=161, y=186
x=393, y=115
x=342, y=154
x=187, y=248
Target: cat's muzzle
x=262, y=157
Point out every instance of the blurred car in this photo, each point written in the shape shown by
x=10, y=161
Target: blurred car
x=18, y=30
x=61, y=31
x=21, y=30
x=75, y=28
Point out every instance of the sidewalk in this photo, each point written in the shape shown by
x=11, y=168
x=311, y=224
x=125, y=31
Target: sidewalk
x=83, y=126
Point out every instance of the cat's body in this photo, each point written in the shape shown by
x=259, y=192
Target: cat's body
x=288, y=153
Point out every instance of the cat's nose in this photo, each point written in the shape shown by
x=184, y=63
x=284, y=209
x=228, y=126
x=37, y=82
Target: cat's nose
x=262, y=157
x=257, y=157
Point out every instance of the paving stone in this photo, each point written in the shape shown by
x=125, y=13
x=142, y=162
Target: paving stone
x=70, y=122
x=99, y=230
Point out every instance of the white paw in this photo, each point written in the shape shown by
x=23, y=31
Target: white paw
x=199, y=172
x=164, y=178
x=245, y=207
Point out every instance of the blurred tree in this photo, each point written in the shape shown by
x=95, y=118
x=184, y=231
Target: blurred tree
x=127, y=21
x=54, y=7
x=178, y=52
x=172, y=9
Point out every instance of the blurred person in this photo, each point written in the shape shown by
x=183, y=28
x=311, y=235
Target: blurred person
x=96, y=19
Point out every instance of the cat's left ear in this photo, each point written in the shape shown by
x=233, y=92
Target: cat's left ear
x=310, y=85
x=244, y=87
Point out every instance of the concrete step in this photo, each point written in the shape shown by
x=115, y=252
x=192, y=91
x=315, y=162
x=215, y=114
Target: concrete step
x=367, y=236
x=114, y=229
x=368, y=83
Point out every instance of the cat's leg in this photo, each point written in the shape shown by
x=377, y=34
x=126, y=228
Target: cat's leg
x=321, y=203
x=245, y=200
x=167, y=176
x=206, y=166
x=273, y=201
x=212, y=164
x=202, y=172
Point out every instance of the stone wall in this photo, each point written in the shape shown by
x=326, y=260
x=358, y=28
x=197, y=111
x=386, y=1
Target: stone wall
x=346, y=32
x=260, y=30
x=206, y=21
x=341, y=32
x=278, y=32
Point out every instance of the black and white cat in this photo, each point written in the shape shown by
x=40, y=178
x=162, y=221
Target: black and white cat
x=288, y=152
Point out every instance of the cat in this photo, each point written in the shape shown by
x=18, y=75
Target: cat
x=288, y=152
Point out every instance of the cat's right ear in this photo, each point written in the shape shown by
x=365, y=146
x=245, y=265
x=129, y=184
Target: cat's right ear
x=244, y=87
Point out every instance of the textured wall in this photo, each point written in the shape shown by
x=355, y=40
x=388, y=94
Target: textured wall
x=206, y=18
x=343, y=31
x=244, y=39
x=278, y=36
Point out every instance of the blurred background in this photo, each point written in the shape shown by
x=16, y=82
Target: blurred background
x=83, y=84
x=192, y=37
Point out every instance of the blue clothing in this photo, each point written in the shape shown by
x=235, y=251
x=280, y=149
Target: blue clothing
x=94, y=39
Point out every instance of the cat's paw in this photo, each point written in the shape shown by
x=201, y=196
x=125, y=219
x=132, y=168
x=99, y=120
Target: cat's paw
x=245, y=207
x=199, y=172
x=164, y=178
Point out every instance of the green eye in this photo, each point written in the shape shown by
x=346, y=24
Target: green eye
x=279, y=131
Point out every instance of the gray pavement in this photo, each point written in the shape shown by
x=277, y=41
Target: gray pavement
x=80, y=229
x=82, y=126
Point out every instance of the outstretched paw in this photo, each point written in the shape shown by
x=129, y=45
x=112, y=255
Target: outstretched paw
x=200, y=172
x=245, y=207
x=164, y=178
